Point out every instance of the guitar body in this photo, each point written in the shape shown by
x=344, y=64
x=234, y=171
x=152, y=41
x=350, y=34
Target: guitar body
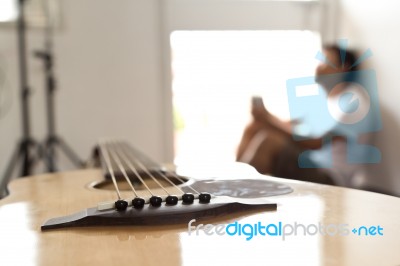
x=34, y=200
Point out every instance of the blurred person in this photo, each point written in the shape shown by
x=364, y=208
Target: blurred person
x=268, y=142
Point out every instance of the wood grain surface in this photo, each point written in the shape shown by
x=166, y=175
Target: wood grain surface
x=33, y=200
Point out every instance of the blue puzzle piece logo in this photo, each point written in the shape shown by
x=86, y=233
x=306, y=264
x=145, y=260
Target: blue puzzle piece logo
x=351, y=113
x=348, y=104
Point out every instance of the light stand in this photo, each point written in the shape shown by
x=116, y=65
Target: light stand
x=52, y=141
x=24, y=152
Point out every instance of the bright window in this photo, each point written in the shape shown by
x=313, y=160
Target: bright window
x=215, y=74
x=8, y=10
x=38, y=13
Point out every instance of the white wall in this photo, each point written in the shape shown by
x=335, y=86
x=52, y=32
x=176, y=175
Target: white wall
x=240, y=15
x=112, y=65
x=375, y=24
x=109, y=77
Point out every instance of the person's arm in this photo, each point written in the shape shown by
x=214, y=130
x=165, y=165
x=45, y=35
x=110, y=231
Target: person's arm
x=260, y=114
x=285, y=127
x=313, y=144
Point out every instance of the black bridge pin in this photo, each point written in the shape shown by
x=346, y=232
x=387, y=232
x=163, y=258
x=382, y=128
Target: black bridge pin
x=188, y=198
x=155, y=201
x=121, y=205
x=171, y=200
x=204, y=197
x=138, y=203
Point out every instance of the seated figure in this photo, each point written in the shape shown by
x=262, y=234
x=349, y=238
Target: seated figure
x=336, y=153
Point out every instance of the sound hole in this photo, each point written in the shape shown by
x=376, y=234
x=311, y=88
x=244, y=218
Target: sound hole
x=138, y=185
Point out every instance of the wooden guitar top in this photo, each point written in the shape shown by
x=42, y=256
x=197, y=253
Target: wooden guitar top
x=328, y=209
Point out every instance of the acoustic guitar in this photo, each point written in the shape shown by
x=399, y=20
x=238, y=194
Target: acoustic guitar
x=134, y=211
x=160, y=197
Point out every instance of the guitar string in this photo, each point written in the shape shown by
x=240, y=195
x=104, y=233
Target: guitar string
x=117, y=160
x=175, y=176
x=106, y=160
x=158, y=172
x=140, y=165
x=128, y=163
x=183, y=181
x=133, y=169
x=143, y=167
x=166, y=178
